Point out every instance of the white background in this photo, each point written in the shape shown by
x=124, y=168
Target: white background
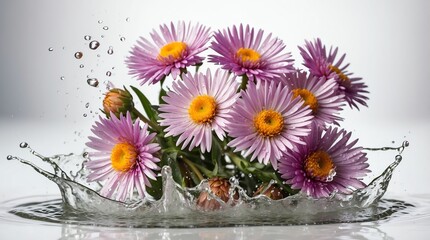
x=387, y=43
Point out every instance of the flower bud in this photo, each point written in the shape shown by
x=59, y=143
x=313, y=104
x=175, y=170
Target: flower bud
x=219, y=187
x=117, y=101
x=272, y=191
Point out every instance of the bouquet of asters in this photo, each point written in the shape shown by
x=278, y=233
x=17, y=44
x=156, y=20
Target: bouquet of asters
x=251, y=115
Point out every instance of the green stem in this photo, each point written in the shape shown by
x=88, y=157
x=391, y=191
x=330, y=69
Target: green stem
x=145, y=120
x=244, y=83
x=193, y=167
x=262, y=175
x=237, y=161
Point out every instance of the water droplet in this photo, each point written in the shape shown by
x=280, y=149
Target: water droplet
x=93, y=82
x=331, y=175
x=398, y=158
x=105, y=28
x=9, y=157
x=50, y=49
x=110, y=50
x=87, y=37
x=108, y=73
x=122, y=39
x=81, y=66
x=100, y=21
x=78, y=55
x=127, y=19
x=23, y=145
x=62, y=78
x=94, y=45
x=98, y=55
x=85, y=154
x=87, y=104
x=406, y=144
x=85, y=115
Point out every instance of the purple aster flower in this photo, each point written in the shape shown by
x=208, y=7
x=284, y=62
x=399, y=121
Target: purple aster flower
x=123, y=157
x=267, y=120
x=321, y=96
x=175, y=49
x=322, y=65
x=196, y=106
x=242, y=52
x=327, y=163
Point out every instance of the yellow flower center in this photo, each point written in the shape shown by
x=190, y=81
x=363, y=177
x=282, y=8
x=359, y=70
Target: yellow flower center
x=248, y=55
x=339, y=73
x=269, y=123
x=173, y=50
x=123, y=157
x=319, y=165
x=202, y=109
x=308, y=97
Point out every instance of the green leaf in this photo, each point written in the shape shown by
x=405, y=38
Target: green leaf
x=162, y=94
x=146, y=104
x=156, y=189
x=216, y=151
x=215, y=171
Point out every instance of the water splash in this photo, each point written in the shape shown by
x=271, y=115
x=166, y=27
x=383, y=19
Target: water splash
x=81, y=203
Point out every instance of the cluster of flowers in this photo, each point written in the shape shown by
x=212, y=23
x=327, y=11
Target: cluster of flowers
x=255, y=117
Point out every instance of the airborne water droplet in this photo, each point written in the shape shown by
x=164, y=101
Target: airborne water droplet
x=81, y=66
x=62, y=78
x=23, y=145
x=105, y=28
x=110, y=50
x=50, y=49
x=108, y=73
x=122, y=39
x=87, y=37
x=94, y=45
x=85, y=115
x=87, y=104
x=9, y=157
x=93, y=82
x=78, y=55
x=127, y=19
x=100, y=21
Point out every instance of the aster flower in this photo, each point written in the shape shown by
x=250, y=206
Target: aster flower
x=242, y=52
x=267, y=120
x=322, y=65
x=176, y=48
x=196, y=106
x=327, y=163
x=123, y=157
x=321, y=96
